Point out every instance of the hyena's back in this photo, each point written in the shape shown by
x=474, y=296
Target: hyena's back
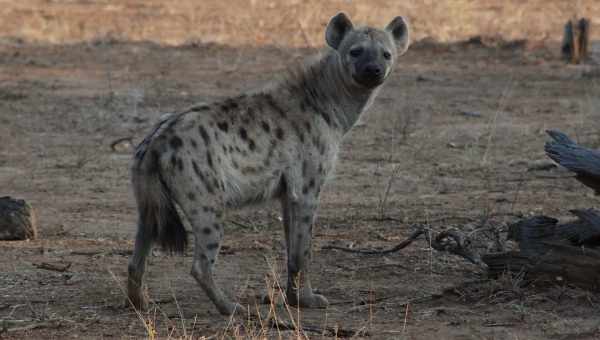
x=235, y=151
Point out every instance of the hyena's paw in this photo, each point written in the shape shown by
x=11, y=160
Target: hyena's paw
x=138, y=299
x=307, y=300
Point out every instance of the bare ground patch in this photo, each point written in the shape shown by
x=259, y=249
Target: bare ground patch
x=449, y=143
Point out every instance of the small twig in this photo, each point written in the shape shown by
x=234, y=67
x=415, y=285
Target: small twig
x=383, y=265
x=87, y=253
x=398, y=247
x=123, y=252
x=498, y=324
x=34, y=325
x=383, y=198
x=54, y=267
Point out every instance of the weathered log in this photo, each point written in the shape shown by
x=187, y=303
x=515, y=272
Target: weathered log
x=17, y=220
x=562, y=262
x=531, y=234
x=548, y=250
x=576, y=40
x=584, y=162
x=583, y=231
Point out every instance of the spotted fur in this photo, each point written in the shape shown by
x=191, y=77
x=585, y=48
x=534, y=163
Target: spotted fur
x=279, y=143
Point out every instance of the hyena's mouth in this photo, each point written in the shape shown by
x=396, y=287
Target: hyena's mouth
x=369, y=80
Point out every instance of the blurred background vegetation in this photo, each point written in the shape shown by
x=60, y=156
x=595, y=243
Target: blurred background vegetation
x=283, y=22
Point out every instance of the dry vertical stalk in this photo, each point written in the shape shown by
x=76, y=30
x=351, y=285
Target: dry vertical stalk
x=576, y=40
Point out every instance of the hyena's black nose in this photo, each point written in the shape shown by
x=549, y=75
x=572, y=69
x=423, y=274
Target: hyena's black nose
x=370, y=75
x=373, y=70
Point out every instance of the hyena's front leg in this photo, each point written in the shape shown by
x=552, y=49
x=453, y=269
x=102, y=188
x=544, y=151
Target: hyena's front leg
x=298, y=215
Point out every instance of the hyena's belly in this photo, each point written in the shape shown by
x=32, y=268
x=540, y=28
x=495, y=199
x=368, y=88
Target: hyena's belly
x=250, y=185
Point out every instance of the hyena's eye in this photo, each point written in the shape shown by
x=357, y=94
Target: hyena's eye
x=356, y=52
x=387, y=55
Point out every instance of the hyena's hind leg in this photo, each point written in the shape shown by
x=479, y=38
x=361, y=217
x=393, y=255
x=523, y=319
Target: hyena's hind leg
x=207, y=226
x=136, y=268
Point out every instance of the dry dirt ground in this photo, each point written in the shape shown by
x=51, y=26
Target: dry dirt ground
x=455, y=140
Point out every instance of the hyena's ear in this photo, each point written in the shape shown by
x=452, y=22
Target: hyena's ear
x=337, y=29
x=398, y=28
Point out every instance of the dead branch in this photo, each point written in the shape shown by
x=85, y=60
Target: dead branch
x=399, y=247
x=558, y=252
x=533, y=233
x=584, y=162
x=583, y=231
x=553, y=252
x=451, y=241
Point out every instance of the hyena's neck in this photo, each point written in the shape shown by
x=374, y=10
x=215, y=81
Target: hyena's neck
x=321, y=86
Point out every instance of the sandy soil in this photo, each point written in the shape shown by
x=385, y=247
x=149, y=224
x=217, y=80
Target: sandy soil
x=452, y=139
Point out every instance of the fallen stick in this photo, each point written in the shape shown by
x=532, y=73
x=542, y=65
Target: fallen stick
x=42, y=324
x=53, y=267
x=439, y=243
x=398, y=247
x=122, y=252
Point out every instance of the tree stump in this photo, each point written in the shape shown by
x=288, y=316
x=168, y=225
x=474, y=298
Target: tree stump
x=17, y=220
x=576, y=40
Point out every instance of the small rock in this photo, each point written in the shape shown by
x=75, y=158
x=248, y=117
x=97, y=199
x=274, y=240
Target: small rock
x=471, y=114
x=541, y=165
x=124, y=144
x=17, y=220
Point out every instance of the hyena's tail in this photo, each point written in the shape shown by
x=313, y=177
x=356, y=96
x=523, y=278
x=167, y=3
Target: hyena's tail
x=159, y=220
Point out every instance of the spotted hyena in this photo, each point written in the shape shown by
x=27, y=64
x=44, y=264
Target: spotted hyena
x=279, y=143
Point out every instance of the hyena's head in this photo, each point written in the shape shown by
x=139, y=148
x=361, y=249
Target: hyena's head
x=367, y=54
